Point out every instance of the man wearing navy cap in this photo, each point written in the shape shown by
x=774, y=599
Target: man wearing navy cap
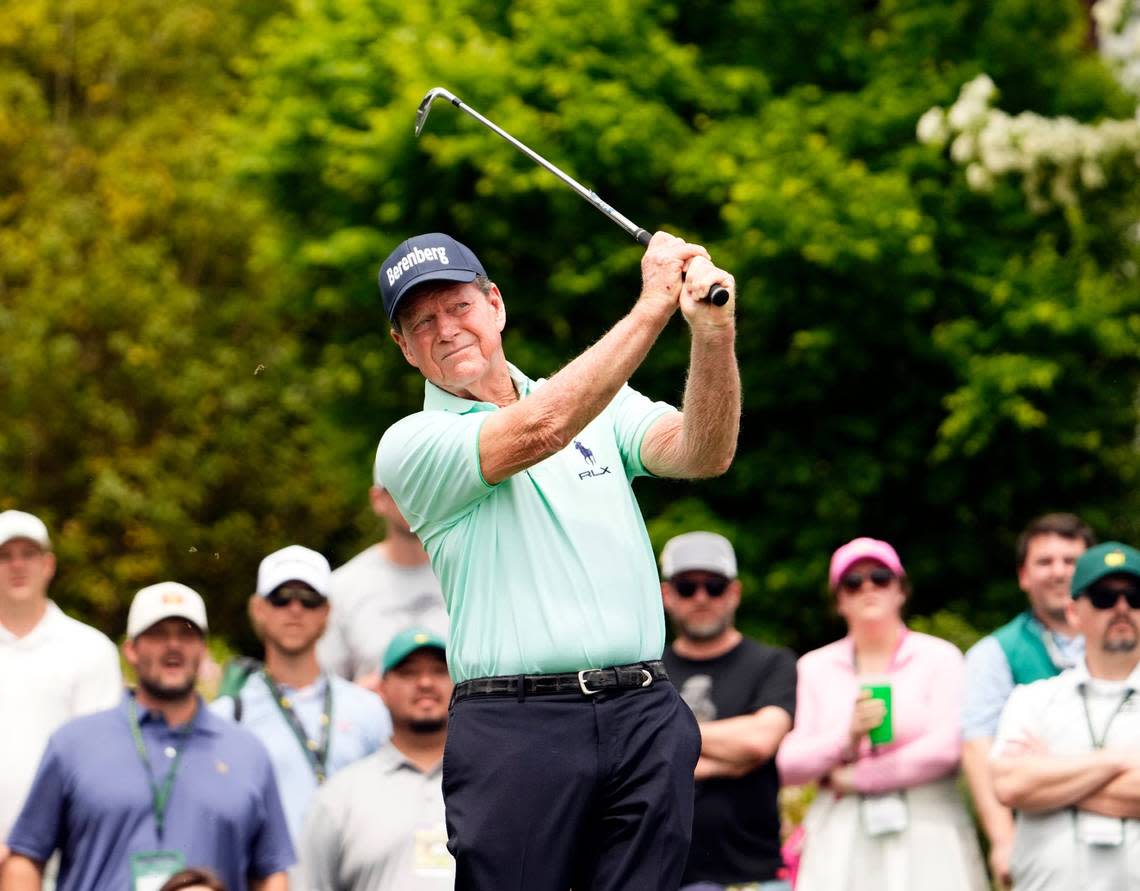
x=569, y=758
x=1067, y=753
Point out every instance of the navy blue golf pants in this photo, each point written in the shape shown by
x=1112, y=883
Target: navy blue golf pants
x=590, y=793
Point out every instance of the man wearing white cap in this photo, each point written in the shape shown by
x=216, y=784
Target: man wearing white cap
x=136, y=793
x=743, y=695
x=54, y=667
x=312, y=723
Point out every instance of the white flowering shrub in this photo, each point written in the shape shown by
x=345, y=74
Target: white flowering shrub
x=1118, y=36
x=1055, y=157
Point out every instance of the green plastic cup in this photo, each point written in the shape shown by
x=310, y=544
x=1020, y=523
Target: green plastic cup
x=883, y=733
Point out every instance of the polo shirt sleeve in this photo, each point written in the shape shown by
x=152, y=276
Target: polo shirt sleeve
x=101, y=683
x=989, y=683
x=321, y=847
x=272, y=850
x=36, y=831
x=429, y=462
x=632, y=415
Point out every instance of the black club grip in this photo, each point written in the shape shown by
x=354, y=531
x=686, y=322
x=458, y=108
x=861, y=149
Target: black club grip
x=717, y=295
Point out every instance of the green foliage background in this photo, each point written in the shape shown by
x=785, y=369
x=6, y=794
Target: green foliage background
x=194, y=199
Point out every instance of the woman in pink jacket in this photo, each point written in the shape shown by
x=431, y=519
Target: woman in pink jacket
x=888, y=816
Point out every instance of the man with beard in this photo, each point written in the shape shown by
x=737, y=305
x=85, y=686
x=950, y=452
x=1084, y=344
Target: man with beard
x=1067, y=752
x=134, y=794
x=743, y=695
x=379, y=824
x=313, y=724
x=1039, y=643
x=386, y=587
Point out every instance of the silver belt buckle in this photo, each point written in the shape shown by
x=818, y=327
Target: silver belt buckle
x=582, y=681
x=648, y=677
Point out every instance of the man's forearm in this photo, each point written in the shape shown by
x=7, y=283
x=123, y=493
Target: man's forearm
x=747, y=740
x=278, y=881
x=1035, y=783
x=1119, y=798
x=20, y=873
x=545, y=422
x=996, y=818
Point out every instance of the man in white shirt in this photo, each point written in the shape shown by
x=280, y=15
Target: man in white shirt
x=384, y=589
x=1067, y=753
x=53, y=667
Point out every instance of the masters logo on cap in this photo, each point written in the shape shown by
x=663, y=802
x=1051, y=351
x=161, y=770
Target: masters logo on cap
x=425, y=258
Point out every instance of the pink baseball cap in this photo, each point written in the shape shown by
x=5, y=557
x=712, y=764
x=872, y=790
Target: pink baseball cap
x=862, y=549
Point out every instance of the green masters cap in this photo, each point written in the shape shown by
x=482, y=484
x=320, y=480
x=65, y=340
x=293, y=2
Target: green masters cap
x=407, y=642
x=1110, y=558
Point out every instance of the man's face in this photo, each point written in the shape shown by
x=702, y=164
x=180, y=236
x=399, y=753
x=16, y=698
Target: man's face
x=166, y=657
x=291, y=618
x=417, y=691
x=702, y=605
x=1108, y=628
x=1047, y=571
x=453, y=335
x=26, y=569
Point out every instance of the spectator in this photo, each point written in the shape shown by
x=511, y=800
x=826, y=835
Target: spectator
x=65, y=668
x=888, y=816
x=379, y=824
x=386, y=587
x=1067, y=752
x=312, y=724
x=132, y=794
x=743, y=694
x=193, y=880
x=1038, y=643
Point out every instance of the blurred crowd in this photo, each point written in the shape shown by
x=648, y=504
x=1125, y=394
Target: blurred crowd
x=320, y=766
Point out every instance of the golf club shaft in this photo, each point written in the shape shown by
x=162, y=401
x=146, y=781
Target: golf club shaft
x=717, y=294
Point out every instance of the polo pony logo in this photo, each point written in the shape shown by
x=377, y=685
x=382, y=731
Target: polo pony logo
x=587, y=454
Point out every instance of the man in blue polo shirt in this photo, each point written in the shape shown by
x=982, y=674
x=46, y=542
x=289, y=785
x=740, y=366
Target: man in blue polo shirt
x=569, y=762
x=312, y=723
x=134, y=794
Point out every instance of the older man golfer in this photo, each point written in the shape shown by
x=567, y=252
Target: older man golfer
x=569, y=759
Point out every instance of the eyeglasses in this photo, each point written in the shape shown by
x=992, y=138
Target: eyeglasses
x=853, y=581
x=307, y=597
x=686, y=588
x=1105, y=597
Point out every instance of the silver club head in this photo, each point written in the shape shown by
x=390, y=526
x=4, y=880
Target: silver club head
x=425, y=105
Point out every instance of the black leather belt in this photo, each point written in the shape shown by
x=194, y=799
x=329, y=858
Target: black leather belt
x=586, y=682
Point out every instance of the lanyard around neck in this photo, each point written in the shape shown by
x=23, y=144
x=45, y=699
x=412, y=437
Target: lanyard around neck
x=159, y=794
x=1099, y=743
x=316, y=751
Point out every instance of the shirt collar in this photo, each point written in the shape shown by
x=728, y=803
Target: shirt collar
x=43, y=628
x=392, y=759
x=203, y=722
x=1079, y=675
x=438, y=399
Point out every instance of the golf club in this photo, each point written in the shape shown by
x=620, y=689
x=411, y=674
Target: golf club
x=717, y=294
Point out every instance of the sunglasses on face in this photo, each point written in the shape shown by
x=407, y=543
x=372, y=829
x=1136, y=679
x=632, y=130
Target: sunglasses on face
x=307, y=597
x=853, y=581
x=1106, y=597
x=686, y=588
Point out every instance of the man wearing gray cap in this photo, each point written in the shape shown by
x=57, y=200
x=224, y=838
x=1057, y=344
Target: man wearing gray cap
x=1067, y=753
x=53, y=667
x=132, y=795
x=743, y=695
x=313, y=724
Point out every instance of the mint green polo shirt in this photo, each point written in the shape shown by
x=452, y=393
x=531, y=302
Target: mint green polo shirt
x=549, y=571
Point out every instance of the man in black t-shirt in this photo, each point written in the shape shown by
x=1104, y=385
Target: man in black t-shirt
x=743, y=694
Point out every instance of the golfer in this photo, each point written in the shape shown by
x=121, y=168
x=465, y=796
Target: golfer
x=569, y=758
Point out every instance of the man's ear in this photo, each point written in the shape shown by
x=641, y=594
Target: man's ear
x=402, y=343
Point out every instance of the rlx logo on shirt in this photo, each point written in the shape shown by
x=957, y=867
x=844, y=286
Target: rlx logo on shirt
x=588, y=457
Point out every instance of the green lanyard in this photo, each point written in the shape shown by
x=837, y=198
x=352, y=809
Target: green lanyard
x=317, y=752
x=1099, y=744
x=160, y=795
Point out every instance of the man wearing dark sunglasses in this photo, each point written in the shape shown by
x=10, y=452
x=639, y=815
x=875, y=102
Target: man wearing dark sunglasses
x=743, y=695
x=1067, y=753
x=312, y=723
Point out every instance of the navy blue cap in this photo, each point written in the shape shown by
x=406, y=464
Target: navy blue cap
x=425, y=258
